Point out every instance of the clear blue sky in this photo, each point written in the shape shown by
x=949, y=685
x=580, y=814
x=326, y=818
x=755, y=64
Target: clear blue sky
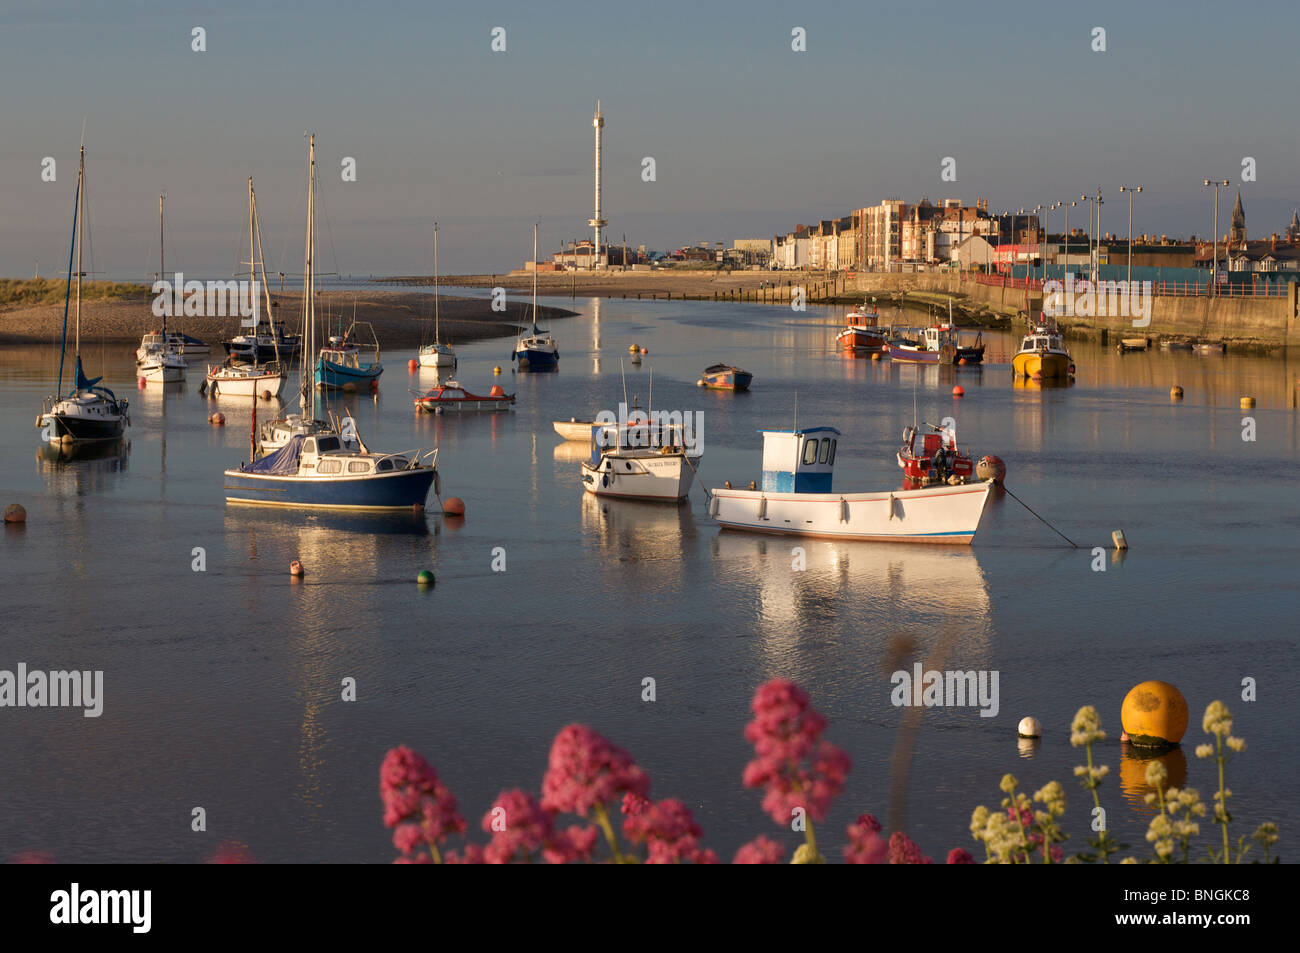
x=749, y=137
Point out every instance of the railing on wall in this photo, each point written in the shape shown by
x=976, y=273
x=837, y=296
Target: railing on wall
x=1173, y=289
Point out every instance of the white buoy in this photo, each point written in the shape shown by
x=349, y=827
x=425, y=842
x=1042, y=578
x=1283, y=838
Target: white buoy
x=1029, y=728
x=1119, y=540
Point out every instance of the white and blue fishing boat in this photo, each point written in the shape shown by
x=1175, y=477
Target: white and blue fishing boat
x=323, y=464
x=536, y=351
x=91, y=412
x=796, y=498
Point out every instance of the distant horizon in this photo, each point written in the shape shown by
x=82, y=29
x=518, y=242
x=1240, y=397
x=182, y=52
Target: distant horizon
x=749, y=136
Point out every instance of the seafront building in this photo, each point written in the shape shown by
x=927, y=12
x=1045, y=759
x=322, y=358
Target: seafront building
x=895, y=236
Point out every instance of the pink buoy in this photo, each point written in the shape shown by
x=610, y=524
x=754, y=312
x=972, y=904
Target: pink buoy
x=266, y=395
x=140, y=383
x=645, y=350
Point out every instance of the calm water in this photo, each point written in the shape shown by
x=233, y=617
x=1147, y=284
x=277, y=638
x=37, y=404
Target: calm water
x=223, y=687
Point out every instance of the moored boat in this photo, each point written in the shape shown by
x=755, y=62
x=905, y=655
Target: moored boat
x=797, y=498
x=323, y=464
x=340, y=367
x=90, y=412
x=938, y=344
x=438, y=354
x=1042, y=354
x=725, y=377
x=622, y=466
x=450, y=397
x=537, y=350
x=939, y=461
x=574, y=429
x=863, y=331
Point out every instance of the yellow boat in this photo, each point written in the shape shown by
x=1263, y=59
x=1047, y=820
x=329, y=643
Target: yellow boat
x=1042, y=356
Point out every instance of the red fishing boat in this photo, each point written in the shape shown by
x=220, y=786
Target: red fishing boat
x=863, y=332
x=939, y=461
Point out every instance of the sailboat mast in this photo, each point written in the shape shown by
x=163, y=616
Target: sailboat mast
x=534, y=279
x=309, y=279
x=81, y=231
x=437, y=333
x=162, y=263
x=256, y=228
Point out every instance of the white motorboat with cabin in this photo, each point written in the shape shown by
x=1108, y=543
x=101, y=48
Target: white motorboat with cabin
x=640, y=462
x=797, y=498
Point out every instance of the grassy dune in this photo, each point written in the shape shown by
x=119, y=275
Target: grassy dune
x=26, y=292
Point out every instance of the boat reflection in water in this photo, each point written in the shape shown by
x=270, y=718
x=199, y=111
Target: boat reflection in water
x=861, y=587
x=629, y=532
x=81, y=467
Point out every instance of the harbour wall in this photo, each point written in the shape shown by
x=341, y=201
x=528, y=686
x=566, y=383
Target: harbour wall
x=1270, y=322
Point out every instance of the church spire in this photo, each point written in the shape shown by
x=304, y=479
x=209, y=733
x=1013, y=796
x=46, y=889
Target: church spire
x=1238, y=231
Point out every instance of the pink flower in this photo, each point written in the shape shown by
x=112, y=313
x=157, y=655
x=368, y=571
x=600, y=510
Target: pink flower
x=959, y=855
x=32, y=857
x=415, y=801
x=761, y=850
x=902, y=850
x=521, y=828
x=585, y=770
x=865, y=845
x=786, y=732
x=420, y=858
x=473, y=855
x=232, y=852
x=667, y=829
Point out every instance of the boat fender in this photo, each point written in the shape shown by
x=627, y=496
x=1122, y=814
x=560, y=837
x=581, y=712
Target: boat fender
x=604, y=480
x=713, y=508
x=891, y=506
x=762, y=507
x=844, y=510
x=437, y=484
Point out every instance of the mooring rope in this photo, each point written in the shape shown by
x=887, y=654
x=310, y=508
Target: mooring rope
x=1043, y=521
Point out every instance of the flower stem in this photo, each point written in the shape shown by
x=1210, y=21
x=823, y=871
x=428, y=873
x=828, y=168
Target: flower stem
x=602, y=818
x=1223, y=794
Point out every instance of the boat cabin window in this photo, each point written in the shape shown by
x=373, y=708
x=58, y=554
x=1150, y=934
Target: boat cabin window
x=831, y=458
x=358, y=466
x=325, y=444
x=825, y=454
x=384, y=465
x=810, y=451
x=330, y=466
x=309, y=445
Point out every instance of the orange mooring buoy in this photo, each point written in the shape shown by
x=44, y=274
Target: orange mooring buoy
x=295, y=569
x=413, y=364
x=453, y=506
x=959, y=391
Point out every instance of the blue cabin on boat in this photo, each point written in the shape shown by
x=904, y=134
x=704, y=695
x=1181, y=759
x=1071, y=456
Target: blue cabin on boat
x=799, y=461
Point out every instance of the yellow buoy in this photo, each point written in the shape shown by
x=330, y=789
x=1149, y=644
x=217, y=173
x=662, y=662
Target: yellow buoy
x=1176, y=393
x=1247, y=403
x=1154, y=715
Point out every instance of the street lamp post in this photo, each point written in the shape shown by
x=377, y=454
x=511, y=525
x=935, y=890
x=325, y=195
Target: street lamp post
x=1066, y=269
x=1128, y=281
x=1214, y=253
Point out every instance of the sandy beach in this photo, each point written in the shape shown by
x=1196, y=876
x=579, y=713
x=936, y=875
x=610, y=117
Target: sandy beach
x=400, y=319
